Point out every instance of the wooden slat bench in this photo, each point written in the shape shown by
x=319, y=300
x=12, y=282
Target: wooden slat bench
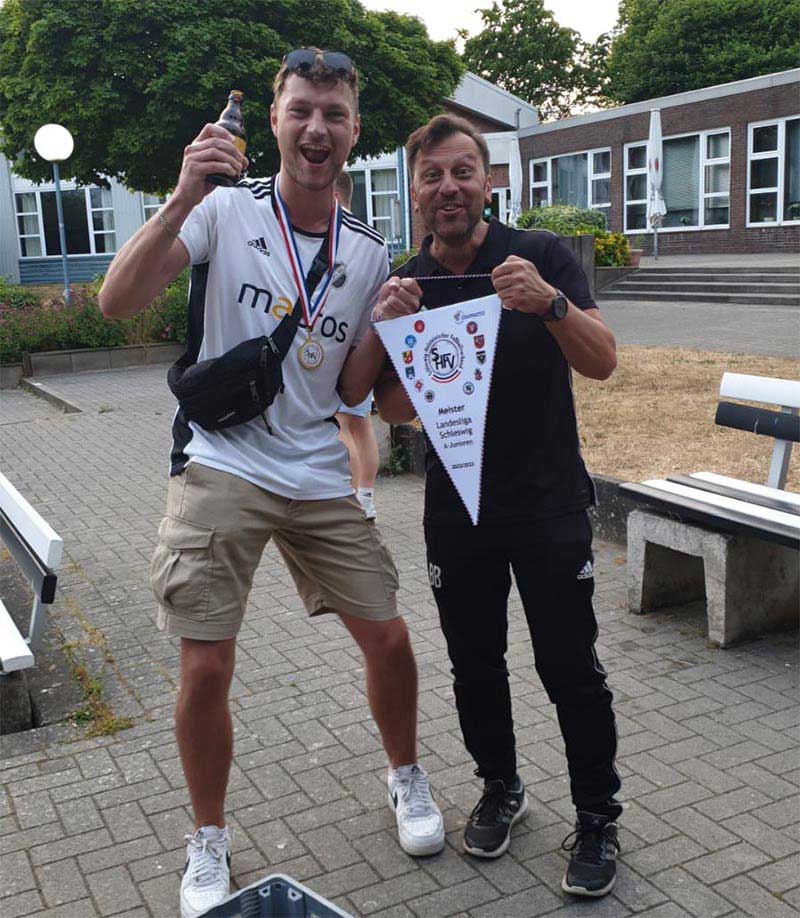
x=735, y=541
x=37, y=549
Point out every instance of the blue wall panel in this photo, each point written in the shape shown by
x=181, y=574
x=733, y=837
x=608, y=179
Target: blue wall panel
x=49, y=270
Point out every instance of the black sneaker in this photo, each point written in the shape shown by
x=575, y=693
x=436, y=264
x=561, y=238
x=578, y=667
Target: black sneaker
x=488, y=830
x=592, y=867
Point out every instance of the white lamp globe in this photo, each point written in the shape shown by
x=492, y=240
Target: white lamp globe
x=53, y=143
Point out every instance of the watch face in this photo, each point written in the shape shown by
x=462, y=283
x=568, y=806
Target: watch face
x=560, y=306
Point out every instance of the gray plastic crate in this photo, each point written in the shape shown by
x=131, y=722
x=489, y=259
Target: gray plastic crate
x=276, y=896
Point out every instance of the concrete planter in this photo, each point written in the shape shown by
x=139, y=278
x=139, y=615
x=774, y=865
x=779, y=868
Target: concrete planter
x=609, y=516
x=52, y=363
x=10, y=375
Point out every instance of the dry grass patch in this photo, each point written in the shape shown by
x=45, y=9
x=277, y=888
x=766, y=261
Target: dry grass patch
x=655, y=416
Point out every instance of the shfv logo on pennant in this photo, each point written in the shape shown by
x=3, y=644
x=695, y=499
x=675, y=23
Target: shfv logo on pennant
x=447, y=374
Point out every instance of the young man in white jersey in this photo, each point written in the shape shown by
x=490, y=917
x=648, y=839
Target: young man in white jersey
x=232, y=490
x=355, y=423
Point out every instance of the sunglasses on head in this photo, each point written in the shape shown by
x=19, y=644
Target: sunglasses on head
x=303, y=59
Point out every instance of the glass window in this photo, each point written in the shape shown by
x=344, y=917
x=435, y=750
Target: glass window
x=764, y=173
x=681, y=183
x=105, y=239
x=637, y=157
x=31, y=247
x=151, y=203
x=636, y=216
x=718, y=178
x=76, y=227
x=540, y=197
x=716, y=210
x=765, y=139
x=636, y=187
x=774, y=172
x=601, y=161
x=791, y=182
x=570, y=180
x=358, y=205
x=540, y=172
x=28, y=224
x=717, y=146
x=763, y=207
x=383, y=180
x=601, y=192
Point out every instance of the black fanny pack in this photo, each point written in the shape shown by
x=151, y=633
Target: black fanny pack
x=243, y=382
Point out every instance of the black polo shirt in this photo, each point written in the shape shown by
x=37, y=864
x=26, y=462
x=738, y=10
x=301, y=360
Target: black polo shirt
x=532, y=466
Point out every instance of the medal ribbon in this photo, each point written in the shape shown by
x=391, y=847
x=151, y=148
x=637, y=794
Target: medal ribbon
x=312, y=307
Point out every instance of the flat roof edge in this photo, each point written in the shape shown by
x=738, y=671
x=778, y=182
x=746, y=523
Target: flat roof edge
x=752, y=84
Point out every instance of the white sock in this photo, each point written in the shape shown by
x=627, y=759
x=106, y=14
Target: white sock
x=365, y=492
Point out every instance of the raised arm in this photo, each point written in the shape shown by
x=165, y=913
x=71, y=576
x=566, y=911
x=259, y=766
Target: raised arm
x=154, y=256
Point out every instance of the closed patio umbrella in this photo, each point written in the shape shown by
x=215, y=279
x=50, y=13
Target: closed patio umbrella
x=515, y=178
x=656, y=208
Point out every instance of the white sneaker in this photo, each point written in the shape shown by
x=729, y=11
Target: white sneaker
x=207, y=875
x=419, y=820
x=366, y=499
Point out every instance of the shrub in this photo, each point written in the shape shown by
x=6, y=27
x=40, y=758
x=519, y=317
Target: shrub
x=402, y=257
x=13, y=296
x=611, y=250
x=563, y=219
x=54, y=325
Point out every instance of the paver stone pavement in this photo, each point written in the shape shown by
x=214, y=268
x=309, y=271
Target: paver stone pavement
x=708, y=739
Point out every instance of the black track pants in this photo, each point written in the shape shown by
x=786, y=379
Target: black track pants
x=470, y=573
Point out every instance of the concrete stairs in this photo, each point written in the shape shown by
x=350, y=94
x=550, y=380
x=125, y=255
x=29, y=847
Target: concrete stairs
x=773, y=285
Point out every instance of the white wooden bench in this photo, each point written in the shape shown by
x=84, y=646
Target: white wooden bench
x=733, y=541
x=37, y=549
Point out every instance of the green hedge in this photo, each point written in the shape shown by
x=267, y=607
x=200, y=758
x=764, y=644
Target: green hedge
x=563, y=219
x=30, y=323
x=611, y=250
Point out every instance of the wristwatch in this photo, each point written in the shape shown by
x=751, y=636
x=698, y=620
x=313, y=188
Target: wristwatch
x=558, y=308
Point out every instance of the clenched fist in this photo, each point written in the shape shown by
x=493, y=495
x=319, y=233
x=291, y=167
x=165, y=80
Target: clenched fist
x=399, y=296
x=520, y=286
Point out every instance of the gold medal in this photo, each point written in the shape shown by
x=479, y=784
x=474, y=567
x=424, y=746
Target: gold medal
x=310, y=354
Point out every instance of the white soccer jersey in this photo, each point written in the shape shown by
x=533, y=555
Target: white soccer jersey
x=241, y=288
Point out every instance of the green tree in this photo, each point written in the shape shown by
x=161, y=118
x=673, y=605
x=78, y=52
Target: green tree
x=135, y=80
x=668, y=46
x=523, y=49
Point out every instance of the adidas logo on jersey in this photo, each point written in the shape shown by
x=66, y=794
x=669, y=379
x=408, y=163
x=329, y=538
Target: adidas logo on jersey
x=260, y=245
x=586, y=572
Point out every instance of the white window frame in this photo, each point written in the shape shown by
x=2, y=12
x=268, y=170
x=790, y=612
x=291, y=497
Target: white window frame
x=395, y=194
x=638, y=170
x=38, y=191
x=378, y=222
x=780, y=155
x=152, y=208
x=707, y=195
x=504, y=202
x=545, y=184
x=29, y=213
x=91, y=210
x=703, y=161
x=590, y=176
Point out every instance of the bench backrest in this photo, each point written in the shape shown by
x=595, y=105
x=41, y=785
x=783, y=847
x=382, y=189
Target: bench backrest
x=783, y=426
x=37, y=549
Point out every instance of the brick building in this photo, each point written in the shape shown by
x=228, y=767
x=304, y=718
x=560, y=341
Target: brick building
x=731, y=166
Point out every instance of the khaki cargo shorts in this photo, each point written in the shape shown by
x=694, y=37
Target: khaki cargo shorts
x=212, y=538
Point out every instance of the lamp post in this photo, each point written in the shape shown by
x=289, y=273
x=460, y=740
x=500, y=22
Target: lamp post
x=54, y=143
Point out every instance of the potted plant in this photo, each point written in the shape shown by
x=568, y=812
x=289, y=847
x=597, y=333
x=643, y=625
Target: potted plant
x=636, y=243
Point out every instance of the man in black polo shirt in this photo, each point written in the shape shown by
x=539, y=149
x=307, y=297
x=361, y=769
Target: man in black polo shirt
x=534, y=495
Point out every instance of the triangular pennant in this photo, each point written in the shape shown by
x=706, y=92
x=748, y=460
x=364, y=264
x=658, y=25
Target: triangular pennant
x=444, y=358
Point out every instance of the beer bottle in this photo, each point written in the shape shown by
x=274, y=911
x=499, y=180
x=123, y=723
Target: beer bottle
x=233, y=122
